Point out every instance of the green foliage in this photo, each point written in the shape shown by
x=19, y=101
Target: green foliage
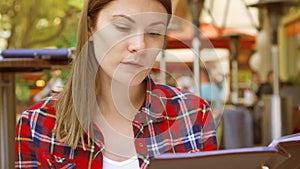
x=22, y=91
x=76, y=3
x=38, y=24
x=294, y=80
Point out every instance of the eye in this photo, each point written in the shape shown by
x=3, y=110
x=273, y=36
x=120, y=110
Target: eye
x=155, y=33
x=122, y=27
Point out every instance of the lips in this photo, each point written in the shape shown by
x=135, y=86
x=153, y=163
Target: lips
x=132, y=63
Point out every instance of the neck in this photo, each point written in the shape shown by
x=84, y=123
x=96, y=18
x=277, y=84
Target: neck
x=113, y=96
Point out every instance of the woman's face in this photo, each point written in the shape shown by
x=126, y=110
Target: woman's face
x=128, y=37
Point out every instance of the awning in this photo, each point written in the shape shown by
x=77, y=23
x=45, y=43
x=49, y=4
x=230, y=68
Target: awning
x=211, y=37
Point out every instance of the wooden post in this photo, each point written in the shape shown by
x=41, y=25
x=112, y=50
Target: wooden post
x=7, y=119
x=8, y=69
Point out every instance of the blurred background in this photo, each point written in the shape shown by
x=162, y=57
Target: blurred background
x=244, y=72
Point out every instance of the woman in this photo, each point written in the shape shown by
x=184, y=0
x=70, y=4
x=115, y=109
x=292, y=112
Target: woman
x=111, y=114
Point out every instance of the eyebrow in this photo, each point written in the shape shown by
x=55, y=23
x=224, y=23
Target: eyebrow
x=124, y=16
x=157, y=23
x=133, y=21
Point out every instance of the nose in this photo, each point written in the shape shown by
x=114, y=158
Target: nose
x=137, y=43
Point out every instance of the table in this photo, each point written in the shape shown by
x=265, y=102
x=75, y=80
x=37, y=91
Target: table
x=8, y=69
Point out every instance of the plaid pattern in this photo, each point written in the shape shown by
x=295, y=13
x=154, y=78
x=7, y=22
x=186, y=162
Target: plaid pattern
x=170, y=121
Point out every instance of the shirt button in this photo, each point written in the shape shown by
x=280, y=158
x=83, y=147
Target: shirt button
x=141, y=145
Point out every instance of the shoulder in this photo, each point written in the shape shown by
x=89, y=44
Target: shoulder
x=182, y=97
x=41, y=114
x=45, y=104
x=45, y=107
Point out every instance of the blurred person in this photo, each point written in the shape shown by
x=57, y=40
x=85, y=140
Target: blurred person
x=185, y=82
x=250, y=96
x=209, y=90
x=110, y=113
x=255, y=82
x=267, y=87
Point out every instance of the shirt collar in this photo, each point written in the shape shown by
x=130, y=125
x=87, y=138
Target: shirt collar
x=154, y=106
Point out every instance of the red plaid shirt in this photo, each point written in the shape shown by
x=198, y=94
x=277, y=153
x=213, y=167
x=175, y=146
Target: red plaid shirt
x=170, y=121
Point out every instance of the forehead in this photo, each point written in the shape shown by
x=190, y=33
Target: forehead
x=145, y=10
x=136, y=6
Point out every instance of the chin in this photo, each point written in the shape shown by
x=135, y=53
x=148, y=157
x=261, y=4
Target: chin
x=139, y=78
x=134, y=83
x=130, y=78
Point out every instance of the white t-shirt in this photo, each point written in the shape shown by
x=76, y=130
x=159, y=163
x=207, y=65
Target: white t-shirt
x=132, y=163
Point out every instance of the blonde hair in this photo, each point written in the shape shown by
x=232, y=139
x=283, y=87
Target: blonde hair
x=77, y=101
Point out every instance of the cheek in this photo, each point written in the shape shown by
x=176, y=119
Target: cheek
x=109, y=56
x=106, y=43
x=101, y=49
x=111, y=59
x=155, y=42
x=151, y=56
